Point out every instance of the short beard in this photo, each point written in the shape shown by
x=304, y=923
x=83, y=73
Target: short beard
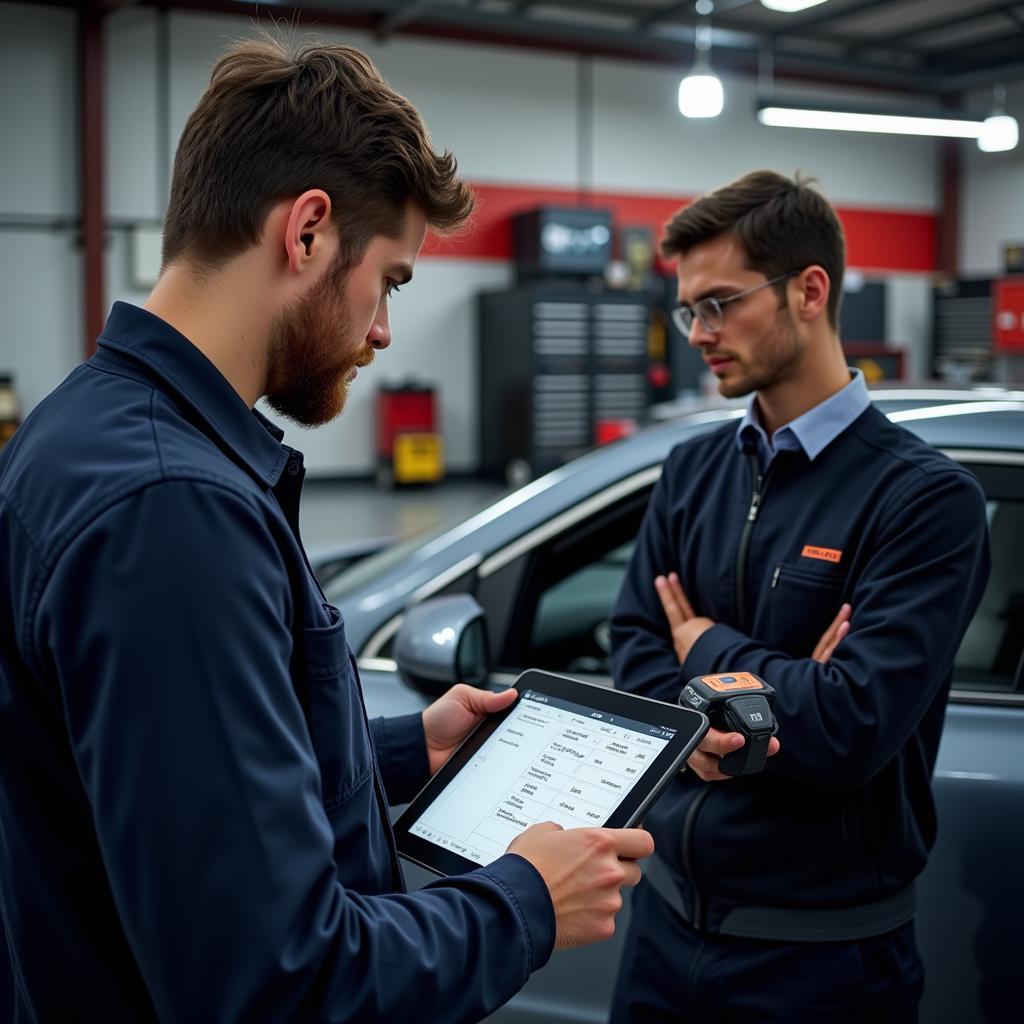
x=777, y=354
x=305, y=381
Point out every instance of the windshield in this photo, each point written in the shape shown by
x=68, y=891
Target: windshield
x=375, y=566
x=353, y=578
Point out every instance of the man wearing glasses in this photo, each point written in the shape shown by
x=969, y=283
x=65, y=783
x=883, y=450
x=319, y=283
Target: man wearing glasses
x=839, y=558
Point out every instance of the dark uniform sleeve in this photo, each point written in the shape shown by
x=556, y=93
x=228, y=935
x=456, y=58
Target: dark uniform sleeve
x=166, y=624
x=841, y=722
x=401, y=750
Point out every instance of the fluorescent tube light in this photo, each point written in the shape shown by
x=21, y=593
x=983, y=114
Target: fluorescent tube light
x=790, y=6
x=947, y=124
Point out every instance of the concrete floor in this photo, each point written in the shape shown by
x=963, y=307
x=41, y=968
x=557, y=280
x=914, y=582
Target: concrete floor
x=336, y=512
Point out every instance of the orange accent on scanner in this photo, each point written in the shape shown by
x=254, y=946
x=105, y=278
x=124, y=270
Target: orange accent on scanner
x=822, y=554
x=738, y=681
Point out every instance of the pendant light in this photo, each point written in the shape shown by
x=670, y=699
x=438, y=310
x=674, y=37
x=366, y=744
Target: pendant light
x=999, y=131
x=700, y=92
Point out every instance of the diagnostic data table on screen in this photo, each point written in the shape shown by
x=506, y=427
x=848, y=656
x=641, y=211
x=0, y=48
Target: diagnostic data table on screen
x=550, y=760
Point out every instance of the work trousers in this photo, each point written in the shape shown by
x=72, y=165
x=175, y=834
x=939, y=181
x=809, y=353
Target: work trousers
x=671, y=973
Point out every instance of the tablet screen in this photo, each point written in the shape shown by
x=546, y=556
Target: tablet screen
x=551, y=759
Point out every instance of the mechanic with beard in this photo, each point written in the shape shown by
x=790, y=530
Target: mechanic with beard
x=193, y=806
x=839, y=558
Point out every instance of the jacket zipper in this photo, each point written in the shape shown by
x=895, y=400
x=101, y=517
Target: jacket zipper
x=758, y=490
x=688, y=826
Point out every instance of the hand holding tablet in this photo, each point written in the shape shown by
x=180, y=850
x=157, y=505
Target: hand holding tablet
x=568, y=752
x=584, y=870
x=557, y=778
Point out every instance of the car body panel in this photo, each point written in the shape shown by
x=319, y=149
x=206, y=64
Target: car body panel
x=972, y=888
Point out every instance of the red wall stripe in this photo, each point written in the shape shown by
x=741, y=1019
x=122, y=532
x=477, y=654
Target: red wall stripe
x=875, y=239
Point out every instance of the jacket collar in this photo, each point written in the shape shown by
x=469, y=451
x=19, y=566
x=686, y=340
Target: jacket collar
x=812, y=432
x=181, y=368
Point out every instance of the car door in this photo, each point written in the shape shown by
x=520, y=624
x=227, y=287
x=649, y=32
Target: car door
x=971, y=894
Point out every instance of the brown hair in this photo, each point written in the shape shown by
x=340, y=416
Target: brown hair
x=782, y=225
x=280, y=118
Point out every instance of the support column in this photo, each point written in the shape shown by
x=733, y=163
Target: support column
x=947, y=258
x=90, y=54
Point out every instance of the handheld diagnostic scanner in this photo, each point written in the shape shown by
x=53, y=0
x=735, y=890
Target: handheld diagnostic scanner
x=736, y=702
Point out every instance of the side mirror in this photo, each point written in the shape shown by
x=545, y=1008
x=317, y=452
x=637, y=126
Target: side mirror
x=441, y=642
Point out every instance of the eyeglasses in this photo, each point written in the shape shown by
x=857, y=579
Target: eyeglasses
x=709, y=311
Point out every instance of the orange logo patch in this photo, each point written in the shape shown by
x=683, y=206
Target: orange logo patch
x=822, y=554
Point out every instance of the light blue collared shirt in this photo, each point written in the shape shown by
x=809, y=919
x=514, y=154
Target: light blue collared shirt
x=810, y=433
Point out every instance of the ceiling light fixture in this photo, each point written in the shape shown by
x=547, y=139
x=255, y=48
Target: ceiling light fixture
x=999, y=131
x=777, y=113
x=700, y=92
x=790, y=6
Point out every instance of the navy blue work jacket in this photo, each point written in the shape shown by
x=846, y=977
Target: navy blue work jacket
x=843, y=817
x=193, y=818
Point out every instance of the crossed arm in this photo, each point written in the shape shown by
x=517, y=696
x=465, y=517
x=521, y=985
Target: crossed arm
x=686, y=627
x=849, y=705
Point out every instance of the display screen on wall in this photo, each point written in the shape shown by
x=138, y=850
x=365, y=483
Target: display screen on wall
x=553, y=241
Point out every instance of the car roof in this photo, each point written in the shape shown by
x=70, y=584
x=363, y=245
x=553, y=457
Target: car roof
x=990, y=418
x=989, y=415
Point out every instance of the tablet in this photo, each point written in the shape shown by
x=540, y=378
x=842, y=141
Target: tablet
x=566, y=751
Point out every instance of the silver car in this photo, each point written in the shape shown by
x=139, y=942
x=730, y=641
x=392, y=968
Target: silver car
x=545, y=564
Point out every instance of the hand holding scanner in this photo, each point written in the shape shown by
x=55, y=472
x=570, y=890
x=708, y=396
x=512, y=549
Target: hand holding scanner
x=736, y=702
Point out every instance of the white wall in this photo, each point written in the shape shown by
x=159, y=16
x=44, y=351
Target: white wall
x=131, y=124
x=41, y=319
x=38, y=115
x=509, y=115
x=908, y=316
x=991, y=197
x=40, y=275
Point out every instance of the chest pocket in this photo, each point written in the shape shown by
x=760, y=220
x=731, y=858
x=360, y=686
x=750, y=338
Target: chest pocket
x=337, y=723
x=801, y=604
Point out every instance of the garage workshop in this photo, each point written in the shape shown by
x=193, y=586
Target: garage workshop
x=511, y=510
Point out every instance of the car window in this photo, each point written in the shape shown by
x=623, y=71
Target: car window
x=570, y=629
x=567, y=590
x=989, y=658
x=366, y=570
